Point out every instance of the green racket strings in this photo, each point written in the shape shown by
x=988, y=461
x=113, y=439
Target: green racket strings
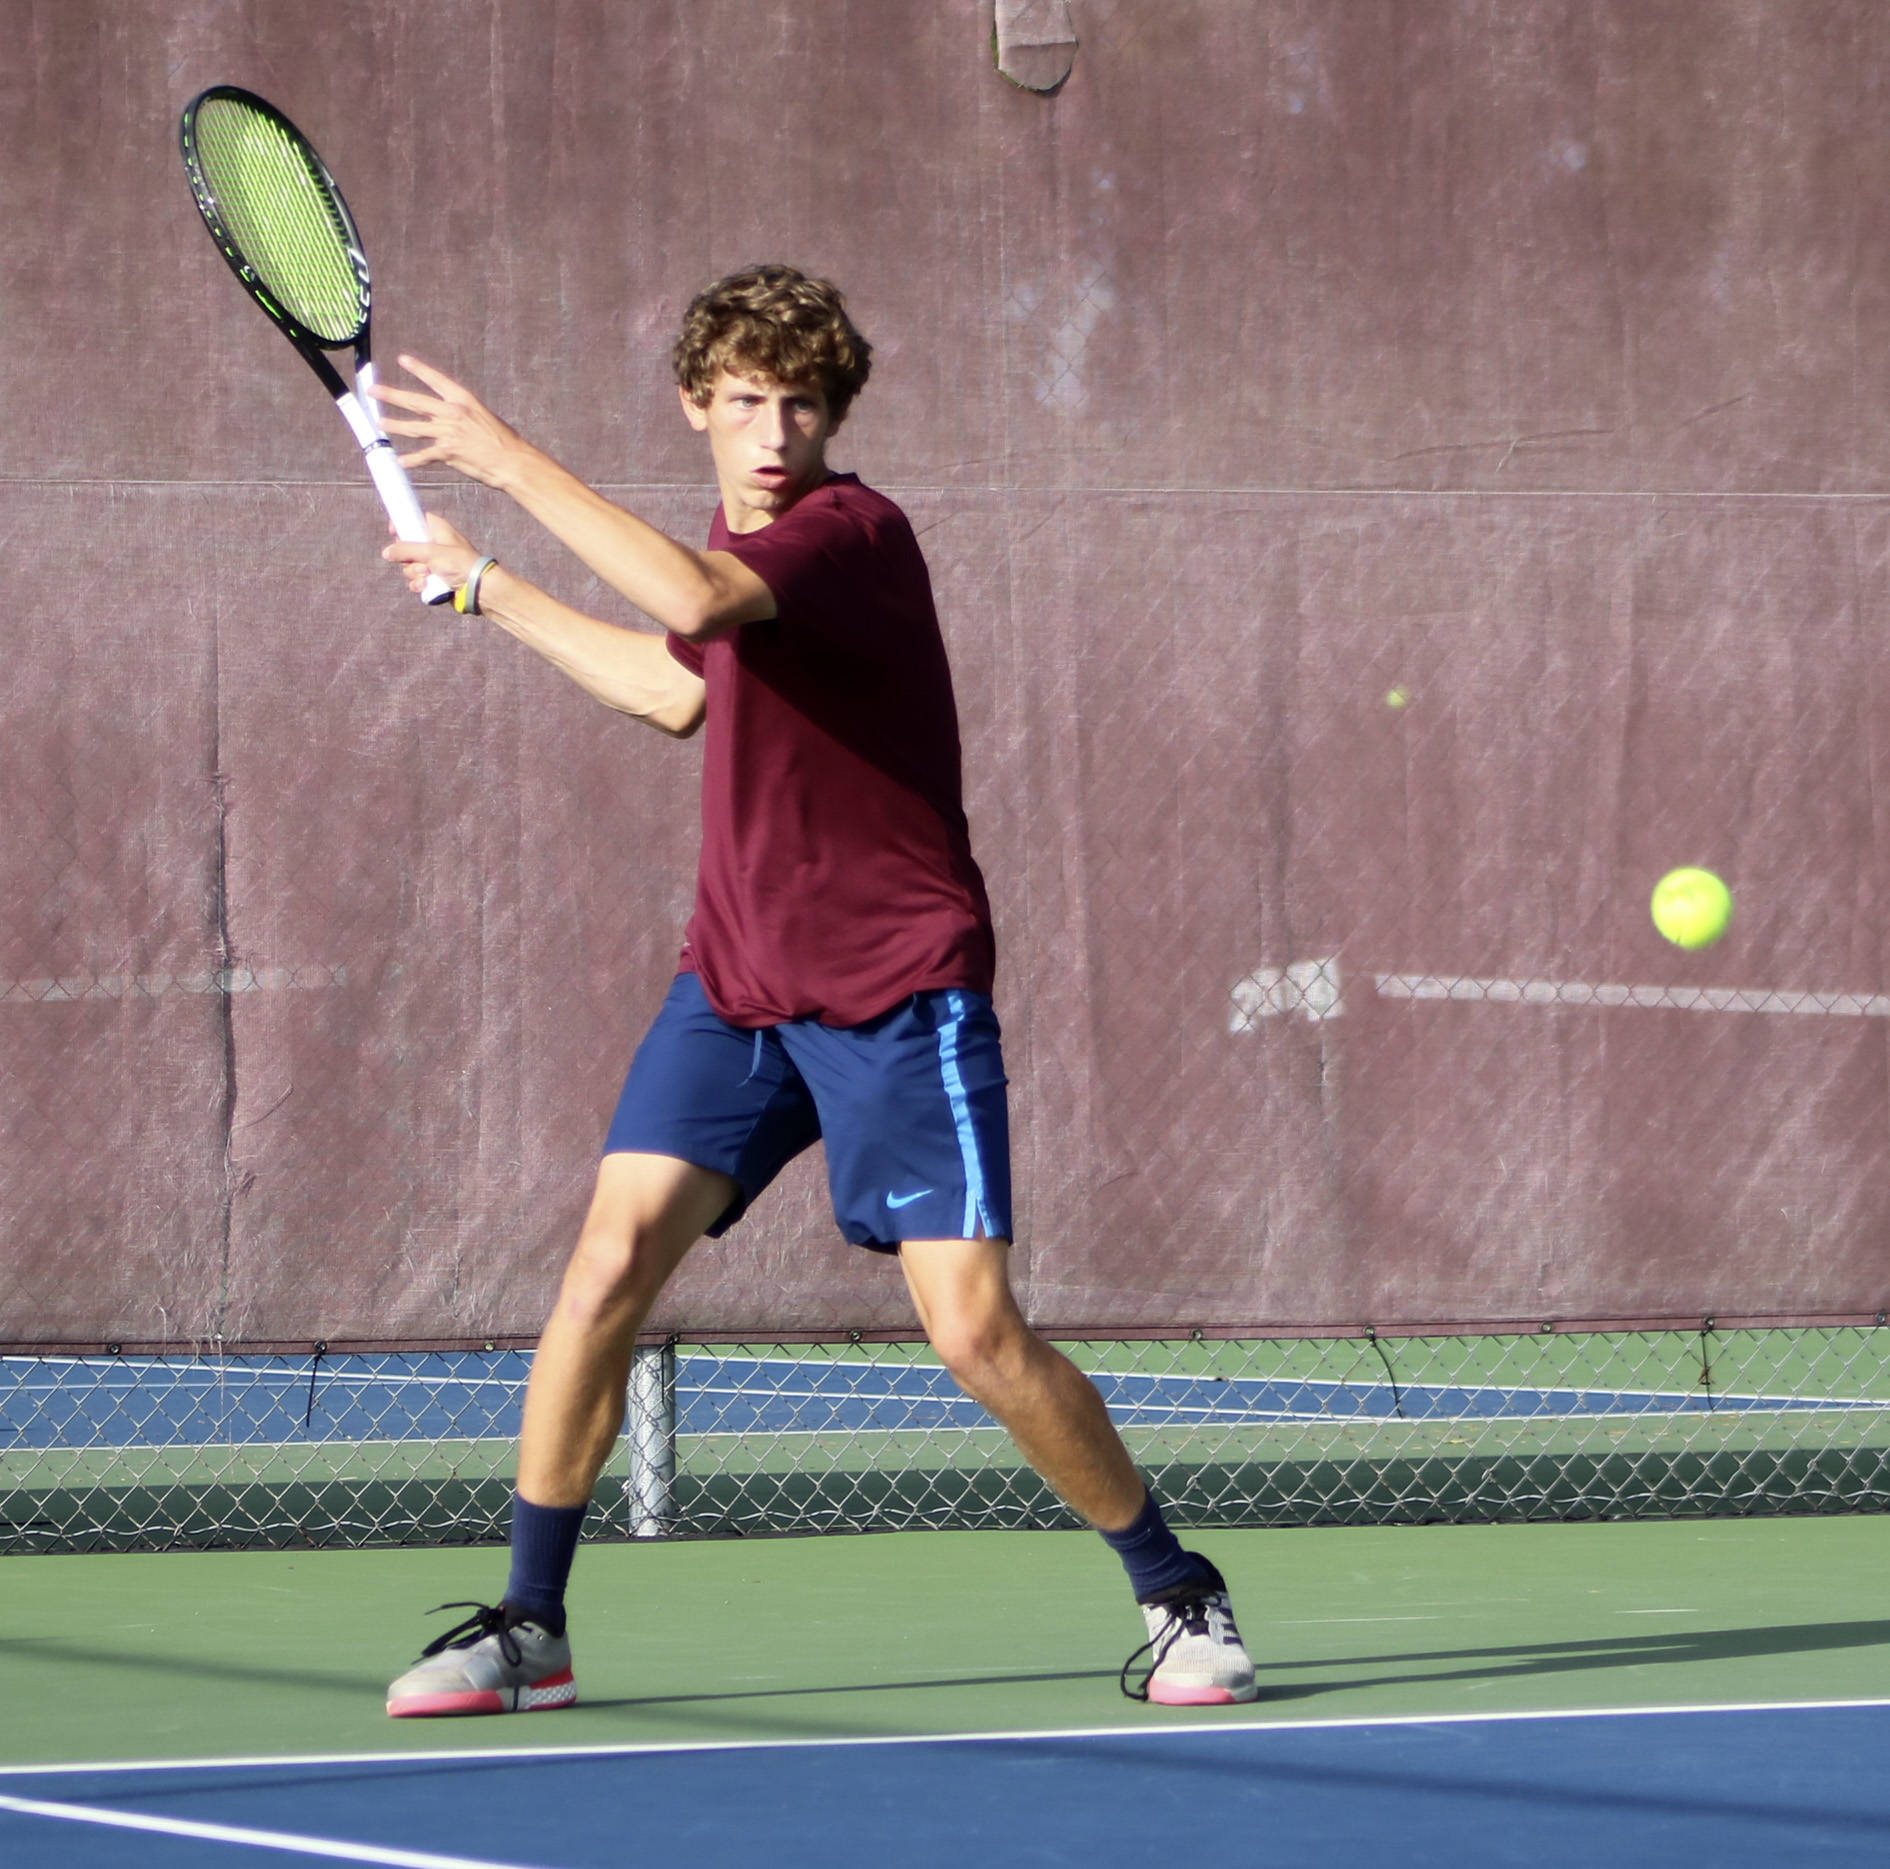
x=282, y=218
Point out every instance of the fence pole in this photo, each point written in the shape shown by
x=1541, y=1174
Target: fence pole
x=650, y=1427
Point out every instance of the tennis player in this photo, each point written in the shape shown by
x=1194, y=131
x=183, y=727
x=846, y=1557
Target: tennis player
x=835, y=978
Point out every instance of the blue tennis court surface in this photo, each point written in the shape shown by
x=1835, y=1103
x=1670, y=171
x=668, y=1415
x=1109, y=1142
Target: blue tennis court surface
x=1730, y=1787
x=137, y=1402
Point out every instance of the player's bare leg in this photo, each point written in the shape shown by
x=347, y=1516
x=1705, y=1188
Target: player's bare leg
x=1056, y=1416
x=646, y=1213
x=514, y=1657
x=962, y=1289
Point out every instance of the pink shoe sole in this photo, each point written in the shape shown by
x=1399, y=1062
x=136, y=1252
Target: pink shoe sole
x=1164, y=1695
x=546, y=1696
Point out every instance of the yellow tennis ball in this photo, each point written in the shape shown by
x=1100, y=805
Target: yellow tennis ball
x=1692, y=907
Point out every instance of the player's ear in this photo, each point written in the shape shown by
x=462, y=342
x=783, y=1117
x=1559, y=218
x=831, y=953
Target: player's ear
x=698, y=417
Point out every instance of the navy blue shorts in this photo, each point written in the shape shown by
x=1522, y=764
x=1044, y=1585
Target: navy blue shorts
x=910, y=1106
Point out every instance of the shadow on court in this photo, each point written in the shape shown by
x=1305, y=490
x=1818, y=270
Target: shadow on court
x=1513, y=1661
x=353, y=1683
x=855, y=1687
x=1527, y=1659
x=175, y=1664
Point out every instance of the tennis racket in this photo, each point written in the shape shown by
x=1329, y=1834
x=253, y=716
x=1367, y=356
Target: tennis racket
x=278, y=218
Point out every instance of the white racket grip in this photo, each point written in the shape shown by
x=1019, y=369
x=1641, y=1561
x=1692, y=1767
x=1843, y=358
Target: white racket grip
x=403, y=508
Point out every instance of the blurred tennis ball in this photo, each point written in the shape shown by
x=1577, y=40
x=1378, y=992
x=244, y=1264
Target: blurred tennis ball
x=1692, y=907
x=1397, y=699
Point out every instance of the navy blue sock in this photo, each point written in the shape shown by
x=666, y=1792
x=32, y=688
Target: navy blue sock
x=544, y=1541
x=1152, y=1555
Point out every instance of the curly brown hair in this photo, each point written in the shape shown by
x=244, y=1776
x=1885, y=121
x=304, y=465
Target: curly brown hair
x=775, y=323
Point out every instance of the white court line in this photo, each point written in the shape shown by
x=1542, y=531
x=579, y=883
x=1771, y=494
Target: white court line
x=1663, y=998
x=205, y=1377
x=1212, y=1727
x=250, y=1839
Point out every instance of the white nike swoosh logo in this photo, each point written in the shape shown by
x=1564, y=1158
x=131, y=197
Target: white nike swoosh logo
x=906, y=1200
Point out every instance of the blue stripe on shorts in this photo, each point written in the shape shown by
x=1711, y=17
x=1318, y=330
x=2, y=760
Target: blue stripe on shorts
x=977, y=1211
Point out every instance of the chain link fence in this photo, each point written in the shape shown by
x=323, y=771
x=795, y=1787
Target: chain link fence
x=1337, y=675
x=128, y=1453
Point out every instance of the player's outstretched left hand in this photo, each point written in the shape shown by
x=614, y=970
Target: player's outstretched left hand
x=458, y=430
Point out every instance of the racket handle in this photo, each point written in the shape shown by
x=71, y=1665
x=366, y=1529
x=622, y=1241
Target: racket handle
x=403, y=508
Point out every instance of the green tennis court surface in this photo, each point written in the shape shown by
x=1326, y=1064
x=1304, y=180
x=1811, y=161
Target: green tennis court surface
x=276, y=1654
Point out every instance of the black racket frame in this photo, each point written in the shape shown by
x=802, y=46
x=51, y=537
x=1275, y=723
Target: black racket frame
x=314, y=348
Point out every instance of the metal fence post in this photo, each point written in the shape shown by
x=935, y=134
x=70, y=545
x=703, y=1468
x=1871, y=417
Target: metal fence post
x=650, y=1427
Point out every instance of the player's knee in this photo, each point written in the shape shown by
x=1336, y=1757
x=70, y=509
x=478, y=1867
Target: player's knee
x=613, y=1268
x=982, y=1348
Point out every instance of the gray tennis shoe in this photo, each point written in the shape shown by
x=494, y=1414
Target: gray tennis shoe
x=1196, y=1656
x=484, y=1665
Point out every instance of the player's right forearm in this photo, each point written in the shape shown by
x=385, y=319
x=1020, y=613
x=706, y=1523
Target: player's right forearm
x=627, y=669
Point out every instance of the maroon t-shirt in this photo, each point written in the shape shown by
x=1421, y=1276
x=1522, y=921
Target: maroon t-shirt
x=836, y=876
